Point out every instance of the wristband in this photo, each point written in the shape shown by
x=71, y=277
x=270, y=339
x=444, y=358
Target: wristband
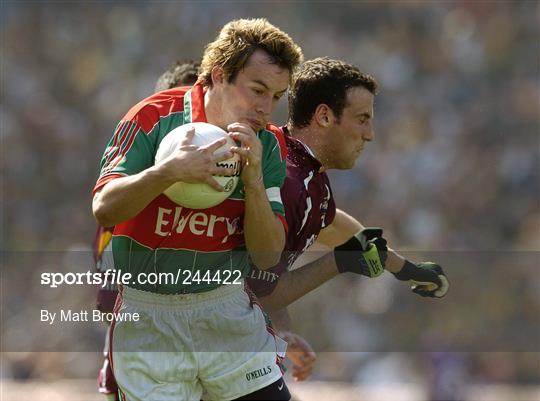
x=406, y=272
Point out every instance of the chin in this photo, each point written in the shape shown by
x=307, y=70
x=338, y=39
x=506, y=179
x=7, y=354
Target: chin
x=256, y=126
x=344, y=165
x=350, y=164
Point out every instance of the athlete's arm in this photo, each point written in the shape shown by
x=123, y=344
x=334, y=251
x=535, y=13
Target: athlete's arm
x=344, y=227
x=263, y=231
x=294, y=284
x=428, y=278
x=124, y=197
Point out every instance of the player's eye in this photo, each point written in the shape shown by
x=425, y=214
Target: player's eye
x=257, y=91
x=276, y=98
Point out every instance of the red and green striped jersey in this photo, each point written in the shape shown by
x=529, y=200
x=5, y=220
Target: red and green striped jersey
x=165, y=237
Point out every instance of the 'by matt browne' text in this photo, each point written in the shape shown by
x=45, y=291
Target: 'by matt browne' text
x=94, y=315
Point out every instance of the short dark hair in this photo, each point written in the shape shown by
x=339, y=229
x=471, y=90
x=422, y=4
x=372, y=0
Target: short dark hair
x=183, y=72
x=324, y=81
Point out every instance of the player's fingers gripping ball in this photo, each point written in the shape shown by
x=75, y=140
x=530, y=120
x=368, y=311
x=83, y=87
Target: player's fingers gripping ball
x=364, y=253
x=427, y=279
x=200, y=195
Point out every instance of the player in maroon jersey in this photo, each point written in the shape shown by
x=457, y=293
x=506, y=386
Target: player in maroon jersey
x=330, y=122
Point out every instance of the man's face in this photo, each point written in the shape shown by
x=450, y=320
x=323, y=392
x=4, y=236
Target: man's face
x=254, y=93
x=355, y=128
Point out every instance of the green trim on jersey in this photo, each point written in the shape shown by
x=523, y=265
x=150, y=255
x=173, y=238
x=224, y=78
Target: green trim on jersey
x=187, y=108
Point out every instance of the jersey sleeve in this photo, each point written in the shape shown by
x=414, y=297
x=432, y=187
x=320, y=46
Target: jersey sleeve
x=128, y=152
x=274, y=167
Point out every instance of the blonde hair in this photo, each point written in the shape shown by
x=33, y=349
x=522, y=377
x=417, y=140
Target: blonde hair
x=239, y=39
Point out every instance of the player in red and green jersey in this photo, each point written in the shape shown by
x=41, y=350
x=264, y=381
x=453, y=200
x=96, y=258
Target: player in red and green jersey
x=182, y=73
x=210, y=240
x=244, y=73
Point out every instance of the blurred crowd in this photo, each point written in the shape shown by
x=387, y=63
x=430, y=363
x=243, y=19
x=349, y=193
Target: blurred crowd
x=454, y=166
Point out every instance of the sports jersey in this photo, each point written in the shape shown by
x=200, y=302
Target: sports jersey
x=309, y=207
x=166, y=237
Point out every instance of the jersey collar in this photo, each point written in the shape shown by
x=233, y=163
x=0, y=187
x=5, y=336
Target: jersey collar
x=194, y=105
x=302, y=150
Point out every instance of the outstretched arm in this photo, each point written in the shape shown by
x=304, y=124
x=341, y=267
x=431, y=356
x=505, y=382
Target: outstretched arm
x=427, y=278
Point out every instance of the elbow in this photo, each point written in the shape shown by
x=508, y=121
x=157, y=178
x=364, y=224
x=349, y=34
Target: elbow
x=265, y=260
x=101, y=213
x=266, y=252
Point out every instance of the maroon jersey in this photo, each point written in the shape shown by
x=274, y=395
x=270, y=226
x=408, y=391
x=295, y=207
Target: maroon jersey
x=309, y=207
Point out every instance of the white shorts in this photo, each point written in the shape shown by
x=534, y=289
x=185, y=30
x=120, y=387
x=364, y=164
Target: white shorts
x=216, y=341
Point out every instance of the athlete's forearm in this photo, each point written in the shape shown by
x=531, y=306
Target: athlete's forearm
x=295, y=284
x=123, y=198
x=263, y=231
x=343, y=227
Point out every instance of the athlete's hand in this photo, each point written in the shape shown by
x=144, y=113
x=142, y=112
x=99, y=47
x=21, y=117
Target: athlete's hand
x=196, y=163
x=300, y=354
x=427, y=278
x=250, y=151
x=364, y=253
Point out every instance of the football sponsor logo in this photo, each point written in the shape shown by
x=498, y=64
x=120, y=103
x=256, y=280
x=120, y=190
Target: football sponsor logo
x=198, y=223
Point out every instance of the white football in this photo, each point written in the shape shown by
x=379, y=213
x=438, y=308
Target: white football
x=200, y=195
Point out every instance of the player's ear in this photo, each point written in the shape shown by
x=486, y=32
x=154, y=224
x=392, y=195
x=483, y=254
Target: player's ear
x=323, y=115
x=217, y=76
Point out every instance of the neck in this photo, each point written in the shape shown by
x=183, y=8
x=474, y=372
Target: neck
x=313, y=138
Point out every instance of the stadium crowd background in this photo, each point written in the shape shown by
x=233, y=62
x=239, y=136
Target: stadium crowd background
x=454, y=170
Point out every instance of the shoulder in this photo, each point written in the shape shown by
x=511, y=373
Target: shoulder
x=148, y=112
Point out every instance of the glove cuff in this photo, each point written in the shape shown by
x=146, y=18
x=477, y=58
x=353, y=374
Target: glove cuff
x=406, y=272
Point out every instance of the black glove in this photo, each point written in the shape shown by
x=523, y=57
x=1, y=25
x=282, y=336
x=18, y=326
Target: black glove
x=364, y=253
x=428, y=278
